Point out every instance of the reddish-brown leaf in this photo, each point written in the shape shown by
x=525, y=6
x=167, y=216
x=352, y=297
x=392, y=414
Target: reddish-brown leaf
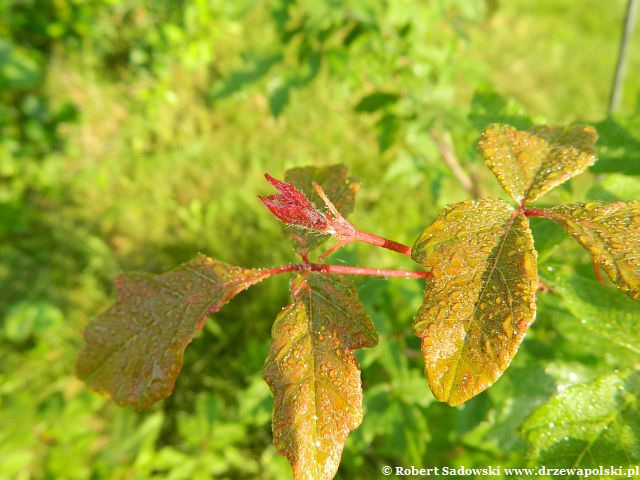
x=133, y=351
x=314, y=375
x=610, y=232
x=480, y=301
x=530, y=163
x=337, y=185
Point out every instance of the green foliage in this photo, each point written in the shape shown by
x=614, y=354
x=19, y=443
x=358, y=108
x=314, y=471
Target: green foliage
x=117, y=155
x=588, y=425
x=601, y=310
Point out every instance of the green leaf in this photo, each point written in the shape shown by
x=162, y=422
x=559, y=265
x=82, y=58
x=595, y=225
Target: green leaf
x=18, y=68
x=481, y=299
x=376, y=101
x=339, y=187
x=279, y=99
x=615, y=187
x=133, y=351
x=588, y=425
x=487, y=106
x=388, y=128
x=314, y=375
x=610, y=232
x=601, y=310
x=619, y=145
x=530, y=163
x=547, y=236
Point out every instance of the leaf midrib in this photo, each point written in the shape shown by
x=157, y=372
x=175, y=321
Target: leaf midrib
x=508, y=227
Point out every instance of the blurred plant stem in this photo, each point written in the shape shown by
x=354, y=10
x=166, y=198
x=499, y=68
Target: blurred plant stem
x=621, y=65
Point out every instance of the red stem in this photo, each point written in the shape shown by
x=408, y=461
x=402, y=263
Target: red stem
x=382, y=242
x=346, y=270
x=535, y=212
x=596, y=270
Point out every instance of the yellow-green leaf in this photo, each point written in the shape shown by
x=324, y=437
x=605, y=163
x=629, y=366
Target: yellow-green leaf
x=133, y=351
x=339, y=187
x=314, y=375
x=480, y=300
x=529, y=163
x=610, y=232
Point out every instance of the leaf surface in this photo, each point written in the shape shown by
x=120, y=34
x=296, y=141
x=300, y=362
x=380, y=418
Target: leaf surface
x=133, y=351
x=601, y=310
x=589, y=425
x=314, y=375
x=480, y=301
x=338, y=186
x=610, y=232
x=529, y=163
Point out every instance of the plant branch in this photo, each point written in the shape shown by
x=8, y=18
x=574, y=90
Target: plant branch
x=345, y=270
x=370, y=238
x=346, y=233
x=621, y=64
x=382, y=242
x=534, y=212
x=450, y=159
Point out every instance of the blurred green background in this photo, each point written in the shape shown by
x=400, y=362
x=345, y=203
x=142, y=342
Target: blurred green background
x=134, y=134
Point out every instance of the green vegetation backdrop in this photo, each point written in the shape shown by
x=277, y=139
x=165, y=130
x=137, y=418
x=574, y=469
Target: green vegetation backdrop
x=134, y=134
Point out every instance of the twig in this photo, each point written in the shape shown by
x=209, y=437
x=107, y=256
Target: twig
x=621, y=64
x=450, y=159
x=345, y=232
x=344, y=270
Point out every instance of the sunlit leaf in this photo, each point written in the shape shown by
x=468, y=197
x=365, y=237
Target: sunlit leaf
x=481, y=299
x=530, y=163
x=338, y=186
x=133, y=351
x=601, y=310
x=589, y=425
x=610, y=232
x=314, y=375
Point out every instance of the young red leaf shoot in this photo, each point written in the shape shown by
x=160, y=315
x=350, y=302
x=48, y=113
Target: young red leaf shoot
x=293, y=207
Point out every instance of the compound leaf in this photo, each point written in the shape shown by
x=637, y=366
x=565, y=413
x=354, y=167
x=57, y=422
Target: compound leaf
x=589, y=425
x=610, y=232
x=480, y=301
x=314, y=375
x=529, y=163
x=337, y=185
x=133, y=351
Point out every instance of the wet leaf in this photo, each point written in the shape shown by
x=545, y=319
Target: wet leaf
x=133, y=351
x=339, y=187
x=610, y=232
x=314, y=375
x=588, y=425
x=481, y=299
x=529, y=163
x=601, y=310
